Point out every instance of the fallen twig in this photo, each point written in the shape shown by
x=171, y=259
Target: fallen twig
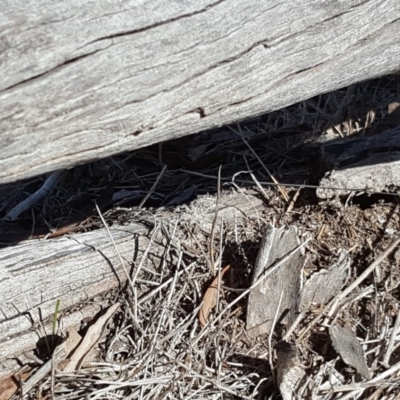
x=44, y=190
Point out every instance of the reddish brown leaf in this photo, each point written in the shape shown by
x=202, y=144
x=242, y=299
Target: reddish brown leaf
x=210, y=299
x=9, y=384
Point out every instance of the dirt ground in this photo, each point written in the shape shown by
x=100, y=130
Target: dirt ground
x=158, y=349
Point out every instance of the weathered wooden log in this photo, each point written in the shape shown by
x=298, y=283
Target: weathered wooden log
x=35, y=274
x=83, y=80
x=364, y=164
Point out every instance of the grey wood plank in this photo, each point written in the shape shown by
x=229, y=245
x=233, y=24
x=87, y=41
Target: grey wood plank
x=84, y=80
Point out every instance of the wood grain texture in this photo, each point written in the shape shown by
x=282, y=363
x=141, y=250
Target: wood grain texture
x=281, y=288
x=82, y=267
x=362, y=163
x=83, y=80
x=34, y=274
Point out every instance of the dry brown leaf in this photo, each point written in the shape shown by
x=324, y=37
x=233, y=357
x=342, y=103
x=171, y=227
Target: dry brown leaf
x=93, y=335
x=70, y=344
x=8, y=385
x=210, y=299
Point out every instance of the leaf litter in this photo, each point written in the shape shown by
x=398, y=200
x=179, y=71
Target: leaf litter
x=335, y=338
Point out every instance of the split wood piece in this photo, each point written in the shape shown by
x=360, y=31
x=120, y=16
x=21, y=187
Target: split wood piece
x=376, y=173
x=337, y=154
x=71, y=343
x=91, y=79
x=322, y=287
x=349, y=348
x=369, y=164
x=34, y=274
x=290, y=374
x=264, y=299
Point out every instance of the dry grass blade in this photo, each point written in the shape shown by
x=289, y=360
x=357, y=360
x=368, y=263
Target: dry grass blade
x=280, y=188
x=153, y=188
x=128, y=277
x=295, y=185
x=271, y=333
x=215, y=221
x=392, y=340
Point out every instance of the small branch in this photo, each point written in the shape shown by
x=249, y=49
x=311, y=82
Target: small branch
x=43, y=191
x=213, y=271
x=280, y=188
x=128, y=277
x=271, y=362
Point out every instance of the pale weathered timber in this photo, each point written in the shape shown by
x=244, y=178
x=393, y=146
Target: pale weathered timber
x=278, y=293
x=364, y=164
x=290, y=373
x=83, y=80
x=77, y=269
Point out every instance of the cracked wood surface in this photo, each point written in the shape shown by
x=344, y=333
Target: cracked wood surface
x=84, y=80
x=79, y=269
x=364, y=164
